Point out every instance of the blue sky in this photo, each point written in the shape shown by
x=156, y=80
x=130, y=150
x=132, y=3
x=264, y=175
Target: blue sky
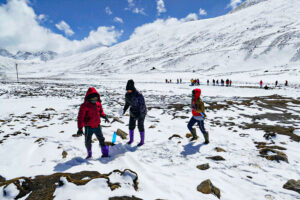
x=86, y=15
x=98, y=22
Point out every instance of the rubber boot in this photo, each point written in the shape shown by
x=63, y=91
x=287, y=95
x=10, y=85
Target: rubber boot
x=194, y=134
x=142, y=134
x=89, y=151
x=131, y=132
x=206, y=137
x=105, y=151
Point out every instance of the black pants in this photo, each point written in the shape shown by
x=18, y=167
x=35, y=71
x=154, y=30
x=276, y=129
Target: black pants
x=132, y=123
x=89, y=133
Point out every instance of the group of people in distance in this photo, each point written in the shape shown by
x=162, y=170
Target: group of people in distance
x=276, y=84
x=91, y=112
x=195, y=82
x=227, y=82
x=179, y=80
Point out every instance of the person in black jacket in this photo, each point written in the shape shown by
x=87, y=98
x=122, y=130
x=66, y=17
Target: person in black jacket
x=138, y=111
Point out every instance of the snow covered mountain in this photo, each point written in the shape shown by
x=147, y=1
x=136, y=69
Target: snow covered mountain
x=24, y=55
x=259, y=36
x=5, y=53
x=42, y=55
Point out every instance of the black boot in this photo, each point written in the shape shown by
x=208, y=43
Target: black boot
x=194, y=134
x=206, y=137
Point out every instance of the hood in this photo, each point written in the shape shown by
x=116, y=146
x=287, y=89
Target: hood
x=91, y=90
x=197, y=94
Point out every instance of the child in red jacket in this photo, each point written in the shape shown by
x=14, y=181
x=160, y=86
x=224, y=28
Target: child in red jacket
x=89, y=117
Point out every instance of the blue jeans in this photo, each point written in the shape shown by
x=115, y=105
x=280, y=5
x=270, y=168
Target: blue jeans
x=193, y=121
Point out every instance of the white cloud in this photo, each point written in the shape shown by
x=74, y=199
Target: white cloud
x=161, y=24
x=131, y=3
x=160, y=7
x=42, y=18
x=20, y=30
x=63, y=26
x=132, y=7
x=119, y=20
x=202, y=12
x=234, y=3
x=139, y=11
x=108, y=11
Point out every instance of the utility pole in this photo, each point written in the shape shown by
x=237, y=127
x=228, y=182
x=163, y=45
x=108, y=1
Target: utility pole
x=17, y=72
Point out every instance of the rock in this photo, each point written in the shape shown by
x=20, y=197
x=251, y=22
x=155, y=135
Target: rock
x=175, y=136
x=2, y=179
x=277, y=158
x=203, y=166
x=40, y=140
x=109, y=143
x=64, y=154
x=152, y=126
x=116, y=119
x=218, y=149
x=43, y=187
x=188, y=135
x=261, y=145
x=39, y=127
x=124, y=198
x=216, y=158
x=76, y=135
x=206, y=187
x=49, y=109
x=292, y=185
x=122, y=134
x=278, y=155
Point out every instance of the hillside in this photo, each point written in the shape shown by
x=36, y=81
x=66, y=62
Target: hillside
x=250, y=41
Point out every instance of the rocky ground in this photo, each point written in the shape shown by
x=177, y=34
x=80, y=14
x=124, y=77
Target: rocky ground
x=254, y=148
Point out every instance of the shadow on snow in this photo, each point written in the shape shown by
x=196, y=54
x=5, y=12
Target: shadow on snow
x=114, y=152
x=190, y=149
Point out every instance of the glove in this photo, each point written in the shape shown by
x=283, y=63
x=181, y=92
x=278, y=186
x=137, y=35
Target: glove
x=106, y=119
x=79, y=132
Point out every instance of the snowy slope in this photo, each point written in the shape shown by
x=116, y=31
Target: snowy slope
x=260, y=36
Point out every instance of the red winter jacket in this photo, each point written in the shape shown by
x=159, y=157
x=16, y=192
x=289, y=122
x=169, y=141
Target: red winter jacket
x=197, y=104
x=89, y=114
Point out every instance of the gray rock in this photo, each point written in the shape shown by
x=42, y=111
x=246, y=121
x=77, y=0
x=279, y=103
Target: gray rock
x=206, y=187
x=292, y=185
x=203, y=166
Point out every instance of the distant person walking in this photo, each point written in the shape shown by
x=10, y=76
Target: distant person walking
x=207, y=82
x=138, y=110
x=286, y=83
x=276, y=83
x=261, y=83
x=214, y=82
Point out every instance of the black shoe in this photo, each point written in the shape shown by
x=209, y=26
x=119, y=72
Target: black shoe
x=194, y=138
